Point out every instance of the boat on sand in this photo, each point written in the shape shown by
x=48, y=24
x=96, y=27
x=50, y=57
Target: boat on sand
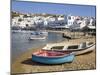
x=78, y=49
x=52, y=57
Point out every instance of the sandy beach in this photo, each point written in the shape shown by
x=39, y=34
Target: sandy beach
x=24, y=64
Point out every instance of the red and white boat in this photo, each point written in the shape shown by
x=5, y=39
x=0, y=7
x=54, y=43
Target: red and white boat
x=52, y=57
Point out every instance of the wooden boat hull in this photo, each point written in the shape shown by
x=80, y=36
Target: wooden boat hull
x=77, y=51
x=53, y=60
x=80, y=52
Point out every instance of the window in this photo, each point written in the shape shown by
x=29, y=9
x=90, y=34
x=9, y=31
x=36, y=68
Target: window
x=69, y=18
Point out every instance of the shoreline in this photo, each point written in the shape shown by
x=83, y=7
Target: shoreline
x=24, y=64
x=13, y=59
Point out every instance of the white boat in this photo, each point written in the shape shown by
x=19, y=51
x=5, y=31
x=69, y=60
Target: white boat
x=78, y=49
x=37, y=37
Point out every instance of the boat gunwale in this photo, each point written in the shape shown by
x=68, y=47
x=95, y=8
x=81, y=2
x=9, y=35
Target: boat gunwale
x=71, y=53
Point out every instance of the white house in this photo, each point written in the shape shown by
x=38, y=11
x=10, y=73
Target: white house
x=70, y=20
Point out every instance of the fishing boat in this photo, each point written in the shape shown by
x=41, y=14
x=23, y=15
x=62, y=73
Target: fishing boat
x=38, y=35
x=52, y=57
x=78, y=49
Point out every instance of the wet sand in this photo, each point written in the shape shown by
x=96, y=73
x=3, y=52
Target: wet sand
x=24, y=64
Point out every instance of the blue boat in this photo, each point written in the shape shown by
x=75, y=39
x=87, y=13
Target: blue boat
x=51, y=57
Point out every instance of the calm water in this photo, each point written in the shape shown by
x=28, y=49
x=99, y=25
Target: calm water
x=20, y=42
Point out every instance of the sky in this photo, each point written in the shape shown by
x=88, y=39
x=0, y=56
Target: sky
x=53, y=8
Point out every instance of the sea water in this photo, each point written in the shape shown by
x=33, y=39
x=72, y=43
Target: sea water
x=20, y=42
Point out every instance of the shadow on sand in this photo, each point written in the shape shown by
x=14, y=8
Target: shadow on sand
x=30, y=62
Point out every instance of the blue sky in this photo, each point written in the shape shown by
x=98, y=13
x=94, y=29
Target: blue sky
x=53, y=8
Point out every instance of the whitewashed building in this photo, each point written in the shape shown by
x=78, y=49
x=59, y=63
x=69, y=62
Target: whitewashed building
x=64, y=21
